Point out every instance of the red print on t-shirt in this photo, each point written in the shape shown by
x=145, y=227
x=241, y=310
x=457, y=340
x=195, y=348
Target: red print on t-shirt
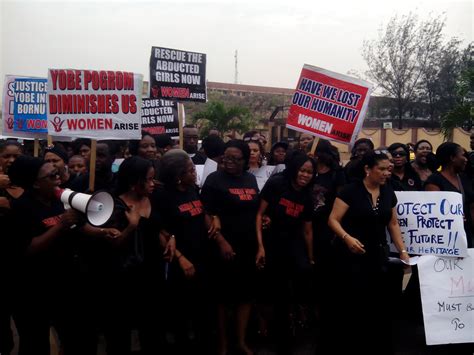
x=244, y=194
x=292, y=209
x=194, y=208
x=51, y=221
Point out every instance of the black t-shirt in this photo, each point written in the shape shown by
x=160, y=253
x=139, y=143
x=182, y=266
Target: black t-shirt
x=410, y=182
x=183, y=215
x=235, y=200
x=324, y=193
x=439, y=180
x=29, y=219
x=287, y=208
x=81, y=183
x=365, y=221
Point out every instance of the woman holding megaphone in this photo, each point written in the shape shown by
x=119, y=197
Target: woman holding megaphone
x=129, y=262
x=41, y=237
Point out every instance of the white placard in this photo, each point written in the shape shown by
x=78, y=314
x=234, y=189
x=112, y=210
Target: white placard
x=94, y=104
x=432, y=223
x=447, y=295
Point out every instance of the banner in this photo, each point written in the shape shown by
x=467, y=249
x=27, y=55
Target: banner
x=24, y=107
x=329, y=105
x=432, y=223
x=447, y=297
x=160, y=117
x=177, y=75
x=94, y=104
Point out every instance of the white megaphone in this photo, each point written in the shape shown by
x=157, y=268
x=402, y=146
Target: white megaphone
x=97, y=207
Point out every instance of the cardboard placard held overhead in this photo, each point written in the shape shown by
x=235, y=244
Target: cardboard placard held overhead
x=160, y=117
x=329, y=105
x=24, y=107
x=177, y=75
x=94, y=104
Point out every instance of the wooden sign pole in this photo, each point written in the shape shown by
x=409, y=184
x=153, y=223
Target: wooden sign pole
x=180, y=122
x=92, y=165
x=313, y=146
x=36, y=148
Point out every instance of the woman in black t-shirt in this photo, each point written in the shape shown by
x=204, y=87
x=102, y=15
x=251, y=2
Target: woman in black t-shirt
x=287, y=250
x=403, y=178
x=182, y=212
x=361, y=214
x=451, y=178
x=40, y=247
x=231, y=197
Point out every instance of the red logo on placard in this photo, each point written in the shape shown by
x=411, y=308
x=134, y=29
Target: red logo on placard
x=57, y=124
x=10, y=123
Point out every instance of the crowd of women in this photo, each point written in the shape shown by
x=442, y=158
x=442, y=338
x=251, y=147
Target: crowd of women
x=186, y=268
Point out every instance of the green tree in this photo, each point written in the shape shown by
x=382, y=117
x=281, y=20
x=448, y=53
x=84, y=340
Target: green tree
x=400, y=55
x=463, y=112
x=224, y=119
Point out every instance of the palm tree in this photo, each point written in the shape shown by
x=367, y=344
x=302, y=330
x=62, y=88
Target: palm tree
x=224, y=119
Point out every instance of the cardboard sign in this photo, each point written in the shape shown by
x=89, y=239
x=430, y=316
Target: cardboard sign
x=24, y=107
x=432, y=223
x=447, y=296
x=160, y=117
x=94, y=104
x=177, y=75
x=329, y=105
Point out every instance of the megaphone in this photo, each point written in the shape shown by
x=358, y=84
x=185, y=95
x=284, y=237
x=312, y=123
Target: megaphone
x=97, y=207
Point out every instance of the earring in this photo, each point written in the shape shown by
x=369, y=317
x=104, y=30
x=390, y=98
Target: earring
x=179, y=182
x=368, y=174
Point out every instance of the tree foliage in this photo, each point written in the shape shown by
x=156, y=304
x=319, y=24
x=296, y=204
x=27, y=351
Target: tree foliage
x=224, y=119
x=400, y=57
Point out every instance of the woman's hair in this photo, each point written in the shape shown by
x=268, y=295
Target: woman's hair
x=445, y=152
x=294, y=162
x=78, y=143
x=132, y=171
x=362, y=141
x=370, y=159
x=326, y=154
x=422, y=141
x=243, y=147
x=6, y=142
x=134, y=144
x=393, y=147
x=213, y=146
x=24, y=171
x=172, y=166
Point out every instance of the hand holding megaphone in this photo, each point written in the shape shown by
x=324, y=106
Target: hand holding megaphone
x=97, y=207
x=70, y=219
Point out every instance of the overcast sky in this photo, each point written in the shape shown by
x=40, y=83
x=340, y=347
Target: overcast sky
x=274, y=38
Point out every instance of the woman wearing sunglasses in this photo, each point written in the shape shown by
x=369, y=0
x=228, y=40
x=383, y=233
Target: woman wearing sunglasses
x=41, y=235
x=404, y=177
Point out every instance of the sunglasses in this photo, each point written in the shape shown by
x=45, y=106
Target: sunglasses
x=51, y=175
x=251, y=139
x=378, y=151
x=399, y=154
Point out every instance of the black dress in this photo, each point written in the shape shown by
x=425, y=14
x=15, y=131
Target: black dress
x=439, y=180
x=235, y=200
x=362, y=291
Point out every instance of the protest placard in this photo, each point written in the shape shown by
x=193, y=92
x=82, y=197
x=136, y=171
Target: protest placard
x=432, y=223
x=177, y=75
x=94, y=104
x=447, y=296
x=329, y=105
x=24, y=107
x=160, y=117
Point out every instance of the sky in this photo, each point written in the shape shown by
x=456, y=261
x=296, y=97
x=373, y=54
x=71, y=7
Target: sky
x=274, y=38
